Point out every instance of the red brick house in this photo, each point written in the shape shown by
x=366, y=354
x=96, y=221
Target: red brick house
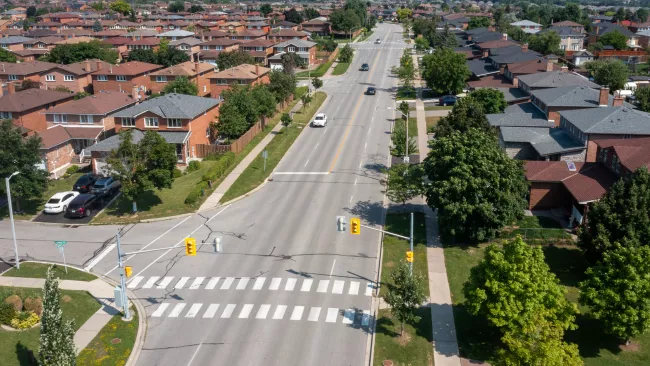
x=76, y=77
x=26, y=107
x=198, y=73
x=244, y=74
x=124, y=77
x=284, y=34
x=17, y=73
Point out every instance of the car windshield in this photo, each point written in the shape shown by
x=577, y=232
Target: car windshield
x=319, y=117
x=54, y=200
x=100, y=185
x=74, y=205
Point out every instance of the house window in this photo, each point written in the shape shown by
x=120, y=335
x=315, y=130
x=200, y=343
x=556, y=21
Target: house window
x=259, y=48
x=128, y=122
x=13, y=77
x=4, y=45
x=40, y=45
x=605, y=152
x=50, y=78
x=303, y=49
x=291, y=49
x=5, y=115
x=86, y=118
x=205, y=48
x=280, y=49
x=219, y=48
x=68, y=77
x=151, y=122
x=207, y=132
x=179, y=152
x=120, y=78
x=161, y=79
x=616, y=164
x=60, y=118
x=102, y=78
x=174, y=123
x=221, y=82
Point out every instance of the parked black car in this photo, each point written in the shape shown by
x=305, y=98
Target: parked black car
x=106, y=186
x=84, y=183
x=448, y=100
x=371, y=91
x=365, y=67
x=82, y=205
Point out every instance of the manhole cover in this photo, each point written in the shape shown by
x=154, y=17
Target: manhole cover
x=387, y=363
x=117, y=340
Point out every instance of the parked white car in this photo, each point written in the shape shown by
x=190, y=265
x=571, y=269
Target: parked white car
x=59, y=202
x=320, y=120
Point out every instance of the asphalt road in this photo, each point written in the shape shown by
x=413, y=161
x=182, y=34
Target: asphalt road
x=286, y=288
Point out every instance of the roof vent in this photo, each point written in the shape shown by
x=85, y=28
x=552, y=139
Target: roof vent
x=571, y=166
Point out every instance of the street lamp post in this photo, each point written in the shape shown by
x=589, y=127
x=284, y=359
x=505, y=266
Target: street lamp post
x=11, y=216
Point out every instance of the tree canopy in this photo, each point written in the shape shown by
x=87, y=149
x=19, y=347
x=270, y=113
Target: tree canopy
x=181, y=85
x=545, y=43
x=282, y=85
x=467, y=113
x=346, y=54
x=610, y=73
x=445, y=71
x=311, y=13
x=71, y=53
x=229, y=59
x=120, y=6
x=404, y=182
x=266, y=9
x=642, y=96
x=176, y=6
x=478, y=22
x=405, y=294
x=615, y=39
x=6, y=56
x=292, y=15
x=492, y=100
x=345, y=20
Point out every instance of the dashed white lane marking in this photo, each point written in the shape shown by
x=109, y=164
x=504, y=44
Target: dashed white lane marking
x=307, y=162
x=332, y=270
x=365, y=146
x=245, y=311
x=355, y=181
x=227, y=312
x=322, y=285
x=212, y=283
x=279, y=312
x=161, y=309
x=314, y=313
x=194, y=309
x=332, y=313
x=165, y=282
x=181, y=282
x=338, y=287
x=369, y=289
x=135, y=281
x=275, y=284
x=360, y=163
x=297, y=312
x=227, y=283
x=259, y=283
x=291, y=283
x=348, y=316
x=242, y=283
x=351, y=199
x=306, y=285
x=365, y=318
x=151, y=282
x=212, y=309
x=263, y=311
x=176, y=311
x=197, y=282
x=354, y=288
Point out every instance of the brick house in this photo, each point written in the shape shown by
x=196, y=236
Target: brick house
x=210, y=50
x=26, y=107
x=284, y=34
x=570, y=39
x=198, y=73
x=600, y=29
x=244, y=74
x=175, y=34
x=260, y=49
x=191, y=46
x=124, y=77
x=182, y=120
x=150, y=43
x=13, y=43
x=17, y=73
x=211, y=35
x=76, y=77
x=624, y=156
x=317, y=26
x=576, y=27
x=305, y=49
x=44, y=43
x=248, y=35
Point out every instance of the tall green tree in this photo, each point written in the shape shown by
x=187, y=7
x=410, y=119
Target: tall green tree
x=615, y=39
x=266, y=103
x=181, y=85
x=57, y=336
x=241, y=97
x=292, y=15
x=445, y=71
x=142, y=166
x=318, y=83
x=545, y=43
x=196, y=8
x=311, y=13
x=404, y=182
x=405, y=295
x=18, y=154
x=120, y=6
x=345, y=20
x=282, y=85
x=492, y=100
x=289, y=61
x=610, y=73
x=175, y=7
x=478, y=22
x=71, y=53
x=399, y=140
x=467, y=114
x=346, y=54
x=232, y=123
x=6, y=56
x=641, y=15
x=143, y=55
x=617, y=290
x=421, y=44
x=622, y=215
x=266, y=9
x=475, y=186
x=97, y=26
x=229, y=59
x=642, y=96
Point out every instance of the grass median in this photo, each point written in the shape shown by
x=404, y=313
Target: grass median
x=340, y=68
x=113, y=344
x=438, y=108
x=317, y=72
x=255, y=174
x=39, y=270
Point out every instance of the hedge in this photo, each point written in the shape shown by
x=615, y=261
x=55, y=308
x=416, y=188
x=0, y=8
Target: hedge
x=215, y=172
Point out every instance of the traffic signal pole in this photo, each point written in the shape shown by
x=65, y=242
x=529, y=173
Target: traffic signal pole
x=409, y=238
x=125, y=299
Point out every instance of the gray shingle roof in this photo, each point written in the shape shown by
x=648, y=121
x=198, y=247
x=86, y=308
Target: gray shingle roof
x=512, y=54
x=296, y=42
x=546, y=141
x=520, y=115
x=481, y=67
x=513, y=94
x=176, y=33
x=563, y=31
x=556, y=79
x=14, y=40
x=188, y=40
x=610, y=120
x=604, y=28
x=525, y=22
x=113, y=142
x=171, y=106
x=571, y=96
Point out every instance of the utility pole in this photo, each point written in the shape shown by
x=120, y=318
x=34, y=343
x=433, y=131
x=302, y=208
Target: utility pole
x=125, y=299
x=11, y=217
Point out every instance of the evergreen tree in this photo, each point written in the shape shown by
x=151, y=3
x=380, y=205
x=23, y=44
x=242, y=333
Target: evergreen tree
x=57, y=336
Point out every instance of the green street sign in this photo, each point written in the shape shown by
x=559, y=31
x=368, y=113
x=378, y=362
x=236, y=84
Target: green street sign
x=60, y=243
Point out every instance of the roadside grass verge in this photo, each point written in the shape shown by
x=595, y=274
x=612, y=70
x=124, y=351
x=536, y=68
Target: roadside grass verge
x=317, y=72
x=432, y=122
x=413, y=131
x=105, y=349
x=412, y=348
x=340, y=68
x=364, y=38
x=438, y=108
x=255, y=174
x=39, y=270
x=405, y=93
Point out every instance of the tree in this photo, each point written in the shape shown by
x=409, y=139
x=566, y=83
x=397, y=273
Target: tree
x=142, y=166
x=18, y=154
x=622, y=216
x=71, y=53
x=81, y=95
x=196, y=8
x=241, y=98
x=404, y=182
x=345, y=20
x=57, y=336
x=467, y=114
x=615, y=39
x=406, y=71
x=6, y=56
x=293, y=16
x=610, y=73
x=572, y=12
x=282, y=85
x=641, y=15
x=492, y=100
x=30, y=84
x=266, y=9
x=421, y=44
x=311, y=13
x=404, y=14
x=318, y=83
x=619, y=16
x=98, y=5
x=286, y=120
x=405, y=294
x=405, y=109
x=229, y=59
x=642, y=96
x=231, y=123
x=346, y=54
x=181, y=85
x=617, y=291
x=266, y=103
x=120, y=6
x=175, y=7
x=290, y=61
x=169, y=56
x=545, y=43
x=478, y=22
x=445, y=71
x=493, y=189
x=398, y=137
x=97, y=26
x=305, y=99
x=31, y=11
x=143, y=55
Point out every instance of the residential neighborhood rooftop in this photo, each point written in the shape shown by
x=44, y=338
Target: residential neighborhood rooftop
x=171, y=106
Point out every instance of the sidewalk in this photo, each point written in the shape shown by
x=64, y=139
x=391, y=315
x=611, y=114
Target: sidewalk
x=445, y=345
x=99, y=289
x=213, y=200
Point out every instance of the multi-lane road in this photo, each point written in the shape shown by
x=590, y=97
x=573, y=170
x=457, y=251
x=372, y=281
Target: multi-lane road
x=287, y=288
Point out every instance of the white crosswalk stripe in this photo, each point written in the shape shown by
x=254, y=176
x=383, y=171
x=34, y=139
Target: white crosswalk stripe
x=165, y=282
x=332, y=314
x=212, y=283
x=263, y=311
x=338, y=287
x=369, y=289
x=259, y=283
x=354, y=288
x=279, y=312
x=297, y=312
x=212, y=309
x=291, y=283
x=241, y=285
x=160, y=310
x=348, y=316
x=275, y=283
x=181, y=282
x=194, y=309
x=150, y=282
x=134, y=282
x=197, y=282
x=227, y=283
x=322, y=285
x=245, y=311
x=306, y=285
x=227, y=312
x=176, y=311
x=313, y=314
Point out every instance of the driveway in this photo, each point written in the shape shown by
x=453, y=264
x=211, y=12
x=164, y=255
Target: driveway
x=61, y=219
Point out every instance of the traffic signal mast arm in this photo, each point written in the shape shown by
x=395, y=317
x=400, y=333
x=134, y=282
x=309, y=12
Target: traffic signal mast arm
x=386, y=232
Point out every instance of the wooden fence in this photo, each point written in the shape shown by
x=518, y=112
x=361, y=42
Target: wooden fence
x=323, y=57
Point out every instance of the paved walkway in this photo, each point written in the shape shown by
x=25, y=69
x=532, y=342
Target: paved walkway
x=217, y=194
x=445, y=345
x=99, y=289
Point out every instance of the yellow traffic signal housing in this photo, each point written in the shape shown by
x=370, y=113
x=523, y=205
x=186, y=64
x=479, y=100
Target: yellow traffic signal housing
x=190, y=246
x=409, y=256
x=355, y=226
x=128, y=271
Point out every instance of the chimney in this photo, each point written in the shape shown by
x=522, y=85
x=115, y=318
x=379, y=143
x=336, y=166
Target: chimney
x=486, y=53
x=11, y=88
x=549, y=65
x=564, y=68
x=196, y=67
x=524, y=47
x=87, y=65
x=504, y=37
x=257, y=70
x=603, y=98
x=99, y=65
x=618, y=101
x=515, y=82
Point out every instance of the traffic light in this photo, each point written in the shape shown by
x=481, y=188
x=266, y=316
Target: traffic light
x=409, y=256
x=190, y=246
x=355, y=226
x=128, y=271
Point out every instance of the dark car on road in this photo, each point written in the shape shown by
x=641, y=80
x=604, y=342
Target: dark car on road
x=365, y=67
x=448, y=100
x=371, y=91
x=106, y=186
x=81, y=206
x=84, y=183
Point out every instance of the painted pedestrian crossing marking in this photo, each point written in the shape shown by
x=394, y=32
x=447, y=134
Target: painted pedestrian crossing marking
x=227, y=283
x=291, y=283
x=259, y=283
x=322, y=285
x=197, y=282
x=212, y=283
x=135, y=281
x=151, y=282
x=338, y=287
x=306, y=285
x=242, y=283
x=165, y=282
x=350, y=316
x=354, y=288
x=275, y=283
x=182, y=282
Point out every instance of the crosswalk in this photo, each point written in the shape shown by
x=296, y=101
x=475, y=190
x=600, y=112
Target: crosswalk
x=348, y=316
x=338, y=287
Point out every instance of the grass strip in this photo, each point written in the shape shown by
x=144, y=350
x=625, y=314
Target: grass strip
x=340, y=68
x=316, y=73
x=412, y=348
x=39, y=270
x=113, y=344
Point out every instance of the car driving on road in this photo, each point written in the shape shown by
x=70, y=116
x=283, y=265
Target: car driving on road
x=82, y=205
x=84, y=183
x=59, y=202
x=365, y=67
x=371, y=91
x=320, y=120
x=377, y=41
x=106, y=186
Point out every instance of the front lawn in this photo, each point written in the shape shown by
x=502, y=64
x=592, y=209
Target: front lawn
x=113, y=344
x=405, y=93
x=412, y=348
x=340, y=68
x=316, y=73
x=432, y=122
x=538, y=230
x=39, y=270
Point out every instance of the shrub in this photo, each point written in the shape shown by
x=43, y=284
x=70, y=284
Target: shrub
x=213, y=156
x=25, y=320
x=7, y=312
x=193, y=166
x=215, y=172
x=196, y=192
x=34, y=305
x=15, y=301
x=177, y=173
x=72, y=169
